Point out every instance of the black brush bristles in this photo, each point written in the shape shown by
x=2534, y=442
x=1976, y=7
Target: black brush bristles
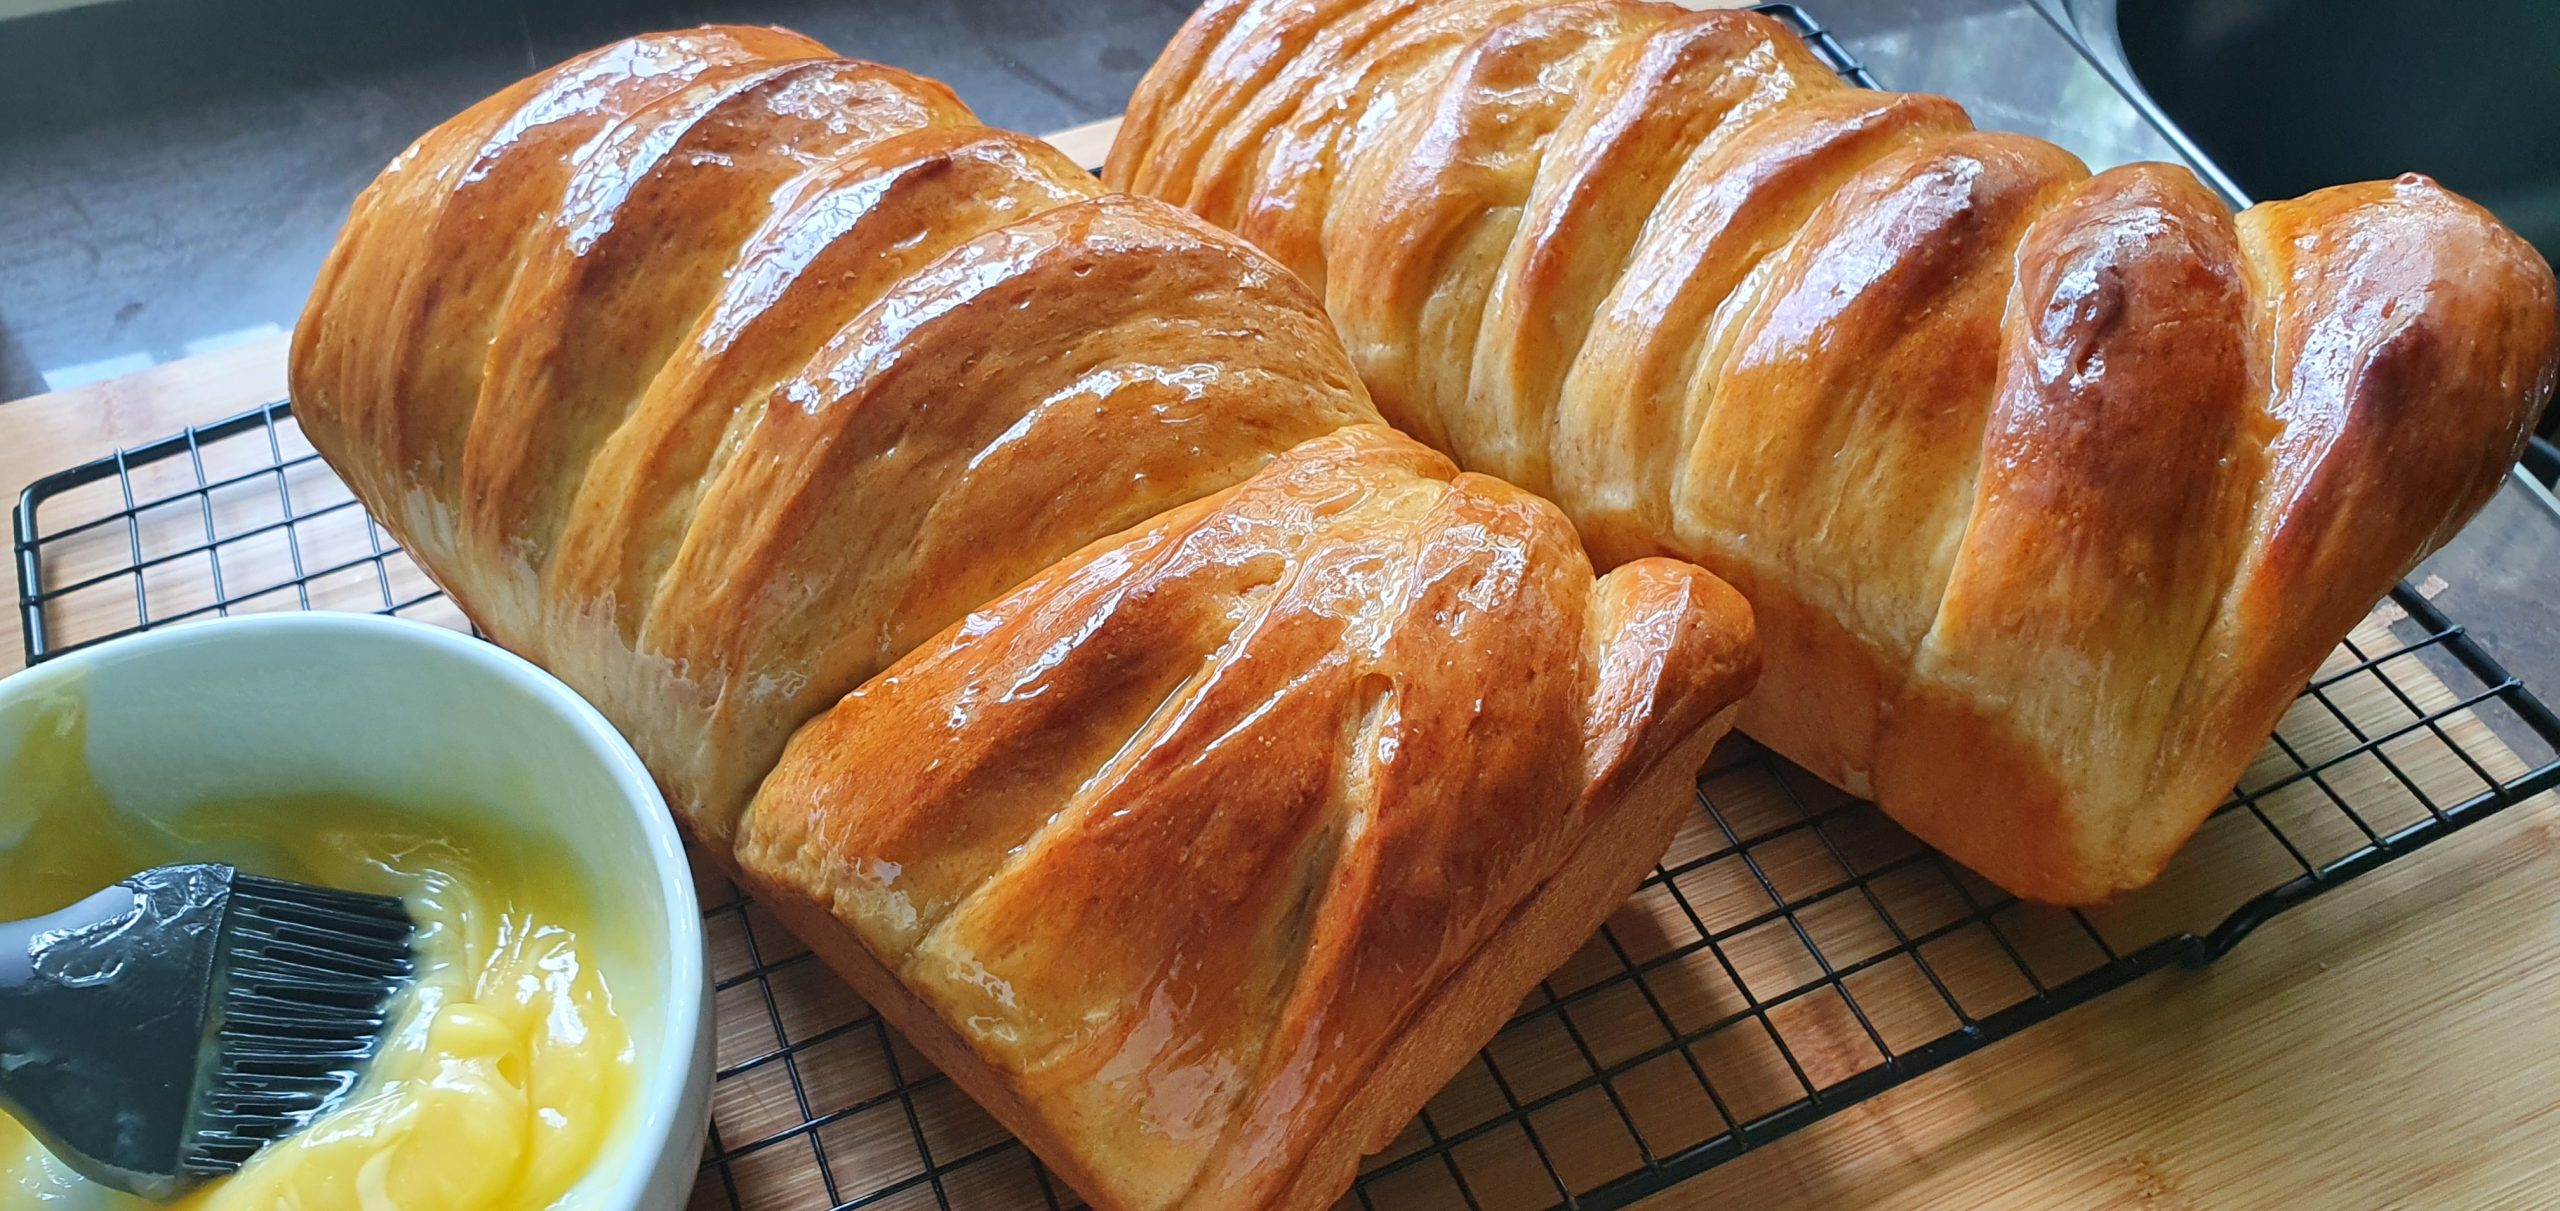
x=302, y=994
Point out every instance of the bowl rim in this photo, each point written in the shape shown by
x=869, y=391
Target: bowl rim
x=667, y=1071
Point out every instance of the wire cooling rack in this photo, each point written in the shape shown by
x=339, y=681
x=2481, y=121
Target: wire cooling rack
x=1795, y=952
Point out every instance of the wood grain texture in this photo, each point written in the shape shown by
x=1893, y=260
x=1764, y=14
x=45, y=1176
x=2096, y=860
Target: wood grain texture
x=2396, y=1043
x=46, y=433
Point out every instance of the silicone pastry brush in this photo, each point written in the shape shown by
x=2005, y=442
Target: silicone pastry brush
x=163, y=1030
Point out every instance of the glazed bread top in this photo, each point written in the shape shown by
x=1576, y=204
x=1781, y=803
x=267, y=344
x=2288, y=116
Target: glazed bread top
x=1013, y=586
x=2051, y=489
x=714, y=372
x=1294, y=750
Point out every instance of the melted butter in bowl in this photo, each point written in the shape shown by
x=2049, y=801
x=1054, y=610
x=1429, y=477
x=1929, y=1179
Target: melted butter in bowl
x=507, y=1066
x=535, y=1063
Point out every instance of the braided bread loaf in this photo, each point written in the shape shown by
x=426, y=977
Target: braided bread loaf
x=1196, y=770
x=2049, y=490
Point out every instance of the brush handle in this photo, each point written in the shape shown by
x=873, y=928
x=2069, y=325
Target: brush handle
x=45, y=943
x=23, y=943
x=104, y=1009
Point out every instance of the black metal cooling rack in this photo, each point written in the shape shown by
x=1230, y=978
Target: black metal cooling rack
x=1794, y=954
x=1824, y=46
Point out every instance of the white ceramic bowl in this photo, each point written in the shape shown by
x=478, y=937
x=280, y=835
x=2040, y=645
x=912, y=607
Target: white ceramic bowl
x=419, y=716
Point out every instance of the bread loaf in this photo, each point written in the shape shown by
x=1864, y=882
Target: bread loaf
x=1012, y=585
x=2049, y=490
x=1219, y=846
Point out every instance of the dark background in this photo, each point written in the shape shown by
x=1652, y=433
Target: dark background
x=172, y=171
x=2292, y=95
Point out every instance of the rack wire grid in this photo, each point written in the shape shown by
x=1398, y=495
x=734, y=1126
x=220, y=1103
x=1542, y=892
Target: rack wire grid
x=1793, y=954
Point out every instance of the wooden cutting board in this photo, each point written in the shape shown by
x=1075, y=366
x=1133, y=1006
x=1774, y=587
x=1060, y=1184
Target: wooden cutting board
x=2394, y=1044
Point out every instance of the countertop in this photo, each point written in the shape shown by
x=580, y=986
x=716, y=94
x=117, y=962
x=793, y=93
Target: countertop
x=171, y=172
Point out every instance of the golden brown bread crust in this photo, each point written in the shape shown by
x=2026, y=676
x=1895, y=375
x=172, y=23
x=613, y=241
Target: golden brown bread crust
x=1443, y=1034
x=432, y=247
x=1260, y=745
x=853, y=231
x=2132, y=489
x=1491, y=986
x=2049, y=490
x=1181, y=747
x=974, y=363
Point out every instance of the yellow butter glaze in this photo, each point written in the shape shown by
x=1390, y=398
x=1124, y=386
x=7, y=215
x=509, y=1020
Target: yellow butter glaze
x=507, y=1069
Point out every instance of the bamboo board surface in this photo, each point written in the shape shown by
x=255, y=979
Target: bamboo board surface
x=2394, y=1044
